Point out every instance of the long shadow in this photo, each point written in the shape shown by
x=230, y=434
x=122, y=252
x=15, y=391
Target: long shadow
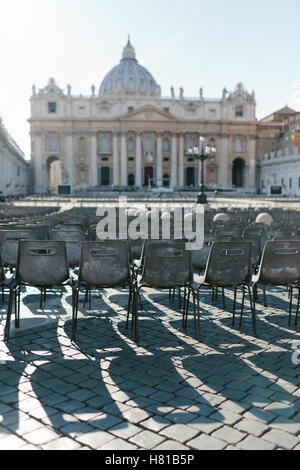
x=227, y=373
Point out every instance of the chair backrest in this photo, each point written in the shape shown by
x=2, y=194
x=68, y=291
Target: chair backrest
x=229, y=264
x=200, y=257
x=229, y=231
x=167, y=264
x=104, y=263
x=255, y=252
x=280, y=262
x=67, y=235
x=9, y=240
x=42, y=263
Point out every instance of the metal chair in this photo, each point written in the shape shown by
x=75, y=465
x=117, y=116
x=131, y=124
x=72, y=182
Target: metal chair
x=280, y=266
x=166, y=265
x=73, y=240
x=6, y=284
x=103, y=265
x=229, y=266
x=41, y=264
x=9, y=240
x=255, y=252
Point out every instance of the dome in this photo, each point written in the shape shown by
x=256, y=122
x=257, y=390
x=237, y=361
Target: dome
x=129, y=77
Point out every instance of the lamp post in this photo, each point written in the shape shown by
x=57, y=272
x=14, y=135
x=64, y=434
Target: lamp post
x=201, y=153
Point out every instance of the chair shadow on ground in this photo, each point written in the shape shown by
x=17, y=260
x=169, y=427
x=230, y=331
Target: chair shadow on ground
x=152, y=380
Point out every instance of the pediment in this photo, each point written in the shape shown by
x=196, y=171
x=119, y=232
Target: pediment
x=149, y=113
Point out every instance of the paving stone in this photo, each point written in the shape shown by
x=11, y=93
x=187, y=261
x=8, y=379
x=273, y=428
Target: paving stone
x=229, y=434
x=40, y=436
x=281, y=439
x=125, y=430
x=205, y=425
x=171, y=445
x=135, y=415
x=11, y=443
x=118, y=444
x=63, y=443
x=179, y=432
x=155, y=423
x=226, y=417
x=205, y=442
x=146, y=440
x=291, y=426
x=250, y=426
x=95, y=440
x=253, y=443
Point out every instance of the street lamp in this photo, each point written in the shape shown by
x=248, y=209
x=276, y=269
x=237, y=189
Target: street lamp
x=202, y=153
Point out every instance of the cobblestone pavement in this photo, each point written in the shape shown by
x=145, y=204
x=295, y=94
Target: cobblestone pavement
x=231, y=391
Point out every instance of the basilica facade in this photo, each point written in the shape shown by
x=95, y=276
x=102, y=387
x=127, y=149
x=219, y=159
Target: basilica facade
x=128, y=134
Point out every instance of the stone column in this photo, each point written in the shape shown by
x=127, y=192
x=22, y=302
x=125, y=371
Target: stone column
x=252, y=163
x=174, y=162
x=138, y=158
x=94, y=160
x=124, y=180
x=223, y=161
x=116, y=180
x=40, y=168
x=159, y=162
x=181, y=160
x=70, y=158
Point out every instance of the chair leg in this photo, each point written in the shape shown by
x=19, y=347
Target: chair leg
x=297, y=311
x=223, y=298
x=129, y=305
x=86, y=297
x=291, y=304
x=135, y=311
x=75, y=314
x=234, y=307
x=242, y=309
x=8, y=317
x=253, y=310
x=265, y=297
x=187, y=308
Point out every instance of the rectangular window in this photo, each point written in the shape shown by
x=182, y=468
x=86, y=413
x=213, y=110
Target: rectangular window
x=52, y=108
x=130, y=109
x=239, y=111
x=291, y=183
x=299, y=182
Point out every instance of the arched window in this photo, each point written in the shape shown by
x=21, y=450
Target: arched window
x=52, y=144
x=239, y=148
x=166, y=145
x=149, y=144
x=130, y=145
x=190, y=143
x=82, y=144
x=105, y=144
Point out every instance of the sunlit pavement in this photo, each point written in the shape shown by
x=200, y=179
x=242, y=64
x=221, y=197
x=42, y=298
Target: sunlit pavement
x=231, y=391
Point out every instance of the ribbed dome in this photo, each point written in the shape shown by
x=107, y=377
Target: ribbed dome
x=129, y=77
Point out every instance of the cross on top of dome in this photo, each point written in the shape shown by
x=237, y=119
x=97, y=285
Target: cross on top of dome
x=129, y=52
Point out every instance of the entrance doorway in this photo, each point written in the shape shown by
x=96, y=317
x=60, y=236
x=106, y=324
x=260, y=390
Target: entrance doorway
x=190, y=177
x=54, y=174
x=104, y=176
x=238, y=173
x=149, y=173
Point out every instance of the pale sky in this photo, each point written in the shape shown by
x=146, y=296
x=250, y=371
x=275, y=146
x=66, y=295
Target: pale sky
x=190, y=43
